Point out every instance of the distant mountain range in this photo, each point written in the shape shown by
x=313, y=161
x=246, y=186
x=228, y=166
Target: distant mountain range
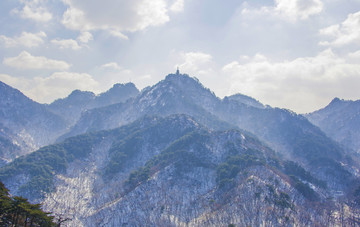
x=26, y=125
x=71, y=107
x=174, y=154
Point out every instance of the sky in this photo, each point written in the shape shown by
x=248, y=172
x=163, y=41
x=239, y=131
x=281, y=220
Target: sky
x=293, y=54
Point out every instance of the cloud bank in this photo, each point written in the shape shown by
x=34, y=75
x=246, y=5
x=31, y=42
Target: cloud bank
x=302, y=84
x=27, y=61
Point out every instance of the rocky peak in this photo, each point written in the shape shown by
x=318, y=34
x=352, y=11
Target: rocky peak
x=336, y=102
x=247, y=100
x=184, y=81
x=76, y=97
x=118, y=93
x=340, y=120
x=77, y=94
x=121, y=88
x=192, y=89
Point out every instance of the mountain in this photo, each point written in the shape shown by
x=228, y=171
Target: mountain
x=176, y=94
x=245, y=100
x=71, y=107
x=11, y=145
x=177, y=155
x=118, y=93
x=284, y=131
x=169, y=171
x=25, y=125
x=340, y=120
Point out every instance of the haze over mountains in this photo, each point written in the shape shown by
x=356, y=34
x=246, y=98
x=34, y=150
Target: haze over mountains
x=27, y=125
x=175, y=154
x=340, y=120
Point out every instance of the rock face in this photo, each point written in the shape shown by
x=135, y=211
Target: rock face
x=340, y=120
x=166, y=172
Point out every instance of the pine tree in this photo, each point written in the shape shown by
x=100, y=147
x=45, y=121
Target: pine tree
x=18, y=211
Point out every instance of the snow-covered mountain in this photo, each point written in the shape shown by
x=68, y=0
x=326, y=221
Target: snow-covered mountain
x=177, y=155
x=168, y=172
x=284, y=131
x=340, y=120
x=71, y=107
x=176, y=94
x=245, y=100
x=25, y=125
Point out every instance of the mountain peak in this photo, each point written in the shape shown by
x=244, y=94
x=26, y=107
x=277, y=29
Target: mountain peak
x=184, y=81
x=247, y=100
x=78, y=94
x=9, y=93
x=177, y=76
x=118, y=85
x=76, y=97
x=118, y=93
x=336, y=100
x=338, y=103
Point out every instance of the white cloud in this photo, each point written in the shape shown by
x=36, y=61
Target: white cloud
x=110, y=73
x=118, y=34
x=34, y=10
x=57, y=85
x=202, y=66
x=355, y=55
x=25, y=39
x=177, y=6
x=115, y=16
x=302, y=9
x=75, y=19
x=195, y=62
x=60, y=84
x=302, y=84
x=291, y=10
x=347, y=32
x=66, y=44
x=85, y=37
x=111, y=65
x=27, y=61
x=13, y=81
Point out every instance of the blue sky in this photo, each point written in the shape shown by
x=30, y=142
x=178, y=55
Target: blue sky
x=295, y=54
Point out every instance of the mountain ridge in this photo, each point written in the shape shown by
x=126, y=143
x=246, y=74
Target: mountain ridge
x=197, y=164
x=177, y=155
x=71, y=107
x=340, y=120
x=29, y=123
x=284, y=131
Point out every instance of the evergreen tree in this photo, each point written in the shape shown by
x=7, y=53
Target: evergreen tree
x=17, y=211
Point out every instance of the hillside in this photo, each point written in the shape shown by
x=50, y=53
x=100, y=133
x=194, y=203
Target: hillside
x=168, y=171
x=286, y=132
x=25, y=125
x=175, y=154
